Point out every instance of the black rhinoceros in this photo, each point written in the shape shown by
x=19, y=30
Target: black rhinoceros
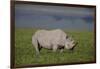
x=52, y=39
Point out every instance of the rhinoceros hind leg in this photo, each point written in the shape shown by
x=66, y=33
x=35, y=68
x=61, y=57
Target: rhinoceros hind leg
x=39, y=46
x=35, y=43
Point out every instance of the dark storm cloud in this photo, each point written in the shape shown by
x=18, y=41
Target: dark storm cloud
x=55, y=10
x=39, y=16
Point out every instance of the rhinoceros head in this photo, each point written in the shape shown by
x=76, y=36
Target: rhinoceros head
x=70, y=43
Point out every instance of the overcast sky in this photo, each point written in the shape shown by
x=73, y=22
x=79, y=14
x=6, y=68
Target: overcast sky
x=48, y=17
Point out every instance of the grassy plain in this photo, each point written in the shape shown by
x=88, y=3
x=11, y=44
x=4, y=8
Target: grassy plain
x=25, y=52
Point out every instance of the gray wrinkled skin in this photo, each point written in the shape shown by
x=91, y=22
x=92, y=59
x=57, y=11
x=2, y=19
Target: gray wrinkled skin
x=52, y=39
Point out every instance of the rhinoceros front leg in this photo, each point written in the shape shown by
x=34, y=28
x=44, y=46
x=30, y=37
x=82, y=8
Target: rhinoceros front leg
x=54, y=48
x=61, y=50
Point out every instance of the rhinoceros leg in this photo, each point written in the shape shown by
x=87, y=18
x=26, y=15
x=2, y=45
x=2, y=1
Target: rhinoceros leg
x=55, y=48
x=35, y=44
x=39, y=47
x=61, y=50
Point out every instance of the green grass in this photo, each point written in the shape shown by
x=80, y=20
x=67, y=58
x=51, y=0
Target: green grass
x=25, y=52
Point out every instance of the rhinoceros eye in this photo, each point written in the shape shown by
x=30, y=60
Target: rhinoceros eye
x=66, y=37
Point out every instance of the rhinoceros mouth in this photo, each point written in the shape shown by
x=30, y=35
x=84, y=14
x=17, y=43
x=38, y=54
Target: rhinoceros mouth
x=74, y=46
